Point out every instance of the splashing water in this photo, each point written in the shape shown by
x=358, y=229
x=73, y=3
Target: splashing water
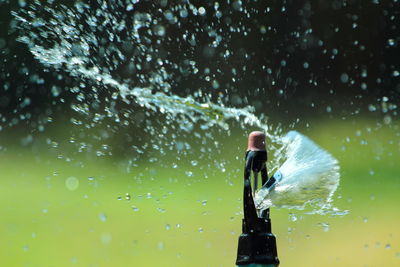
x=72, y=40
x=309, y=175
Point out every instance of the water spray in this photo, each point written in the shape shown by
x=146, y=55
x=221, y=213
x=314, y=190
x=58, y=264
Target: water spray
x=257, y=245
x=308, y=175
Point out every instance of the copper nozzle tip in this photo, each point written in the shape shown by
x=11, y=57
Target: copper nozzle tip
x=256, y=141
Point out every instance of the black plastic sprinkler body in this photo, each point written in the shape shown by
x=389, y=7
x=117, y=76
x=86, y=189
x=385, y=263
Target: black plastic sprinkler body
x=257, y=245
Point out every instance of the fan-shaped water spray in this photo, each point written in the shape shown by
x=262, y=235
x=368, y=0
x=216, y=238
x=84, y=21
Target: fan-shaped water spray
x=309, y=175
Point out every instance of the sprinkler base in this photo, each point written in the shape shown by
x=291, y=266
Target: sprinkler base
x=257, y=248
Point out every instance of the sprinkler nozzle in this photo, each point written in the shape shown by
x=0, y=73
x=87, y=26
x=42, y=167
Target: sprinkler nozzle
x=256, y=141
x=257, y=245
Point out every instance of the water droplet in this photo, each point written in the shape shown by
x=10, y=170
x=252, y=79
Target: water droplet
x=134, y=208
x=388, y=246
x=178, y=225
x=159, y=30
x=344, y=77
x=365, y=219
x=202, y=11
x=292, y=217
x=183, y=13
x=72, y=183
x=127, y=196
x=168, y=226
x=391, y=42
x=160, y=245
x=328, y=109
x=371, y=108
x=161, y=210
x=387, y=119
x=74, y=260
x=189, y=173
x=204, y=202
x=237, y=5
x=105, y=238
x=325, y=226
x=103, y=217
x=215, y=84
x=201, y=230
x=364, y=73
x=364, y=86
x=194, y=162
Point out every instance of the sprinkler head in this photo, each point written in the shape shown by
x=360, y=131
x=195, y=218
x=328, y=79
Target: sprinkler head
x=256, y=141
x=257, y=245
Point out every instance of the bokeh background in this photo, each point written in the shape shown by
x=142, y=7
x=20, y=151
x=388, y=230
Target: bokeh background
x=122, y=185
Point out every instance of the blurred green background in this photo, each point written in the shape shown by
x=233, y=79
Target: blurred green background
x=171, y=219
x=88, y=178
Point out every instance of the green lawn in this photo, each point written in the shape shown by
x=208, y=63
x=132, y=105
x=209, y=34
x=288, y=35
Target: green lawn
x=175, y=220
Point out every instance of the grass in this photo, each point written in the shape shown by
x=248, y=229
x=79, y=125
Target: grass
x=175, y=220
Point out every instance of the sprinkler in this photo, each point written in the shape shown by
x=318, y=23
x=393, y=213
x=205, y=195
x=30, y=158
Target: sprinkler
x=257, y=245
